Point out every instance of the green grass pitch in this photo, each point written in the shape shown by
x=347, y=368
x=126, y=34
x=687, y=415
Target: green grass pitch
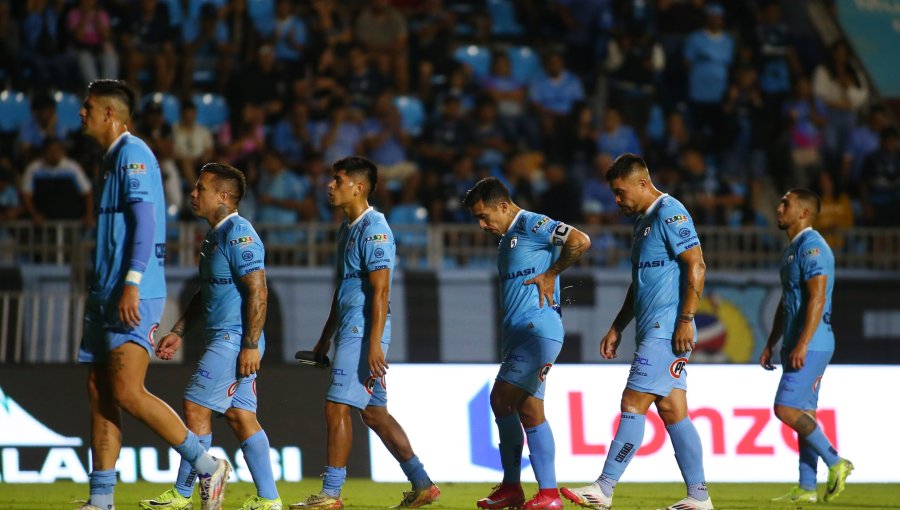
x=367, y=494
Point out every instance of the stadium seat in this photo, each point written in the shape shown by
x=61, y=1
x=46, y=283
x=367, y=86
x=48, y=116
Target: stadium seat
x=525, y=64
x=503, y=18
x=171, y=107
x=68, y=110
x=212, y=110
x=476, y=57
x=15, y=108
x=176, y=14
x=262, y=13
x=412, y=113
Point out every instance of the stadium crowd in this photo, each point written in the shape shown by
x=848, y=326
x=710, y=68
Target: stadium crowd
x=729, y=104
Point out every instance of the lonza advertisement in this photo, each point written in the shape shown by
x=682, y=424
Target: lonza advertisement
x=446, y=412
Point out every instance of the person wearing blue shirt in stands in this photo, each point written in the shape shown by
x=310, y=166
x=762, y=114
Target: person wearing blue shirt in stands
x=708, y=54
x=667, y=277
x=558, y=90
x=533, y=251
x=803, y=320
x=125, y=302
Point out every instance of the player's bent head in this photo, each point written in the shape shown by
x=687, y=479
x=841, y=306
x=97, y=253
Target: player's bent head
x=490, y=191
x=359, y=169
x=117, y=92
x=808, y=199
x=627, y=165
x=227, y=179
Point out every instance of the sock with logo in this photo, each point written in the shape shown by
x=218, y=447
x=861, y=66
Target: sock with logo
x=809, y=462
x=628, y=439
x=187, y=475
x=192, y=451
x=256, y=453
x=820, y=444
x=333, y=480
x=542, y=448
x=689, y=455
x=512, y=440
x=415, y=473
x=103, y=483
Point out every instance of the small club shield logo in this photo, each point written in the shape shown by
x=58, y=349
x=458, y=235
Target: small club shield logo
x=542, y=374
x=677, y=367
x=513, y=242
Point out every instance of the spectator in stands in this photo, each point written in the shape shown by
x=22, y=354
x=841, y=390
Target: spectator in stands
x=560, y=200
x=806, y=117
x=41, y=46
x=386, y=143
x=506, y=90
x=555, y=93
x=267, y=88
x=89, y=33
x=444, y=202
x=881, y=182
x=492, y=140
x=9, y=45
x=634, y=61
x=585, y=29
x=290, y=38
x=431, y=29
x=363, y=81
x=205, y=50
x=148, y=45
x=711, y=200
x=10, y=202
x=677, y=137
x=598, y=203
x=339, y=134
x=745, y=156
x=864, y=140
x=330, y=33
x=245, y=140
x=55, y=187
x=676, y=20
x=243, y=39
x=291, y=135
x=579, y=144
x=158, y=134
x=615, y=137
x=447, y=135
x=708, y=54
x=460, y=84
x=283, y=198
x=317, y=178
x=835, y=213
x=193, y=142
x=42, y=124
x=382, y=31
x=845, y=92
x=778, y=59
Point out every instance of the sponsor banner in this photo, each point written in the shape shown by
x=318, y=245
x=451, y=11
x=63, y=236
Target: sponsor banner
x=873, y=27
x=731, y=407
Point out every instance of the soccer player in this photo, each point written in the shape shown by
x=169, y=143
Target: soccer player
x=360, y=318
x=231, y=304
x=803, y=320
x=533, y=251
x=667, y=277
x=126, y=298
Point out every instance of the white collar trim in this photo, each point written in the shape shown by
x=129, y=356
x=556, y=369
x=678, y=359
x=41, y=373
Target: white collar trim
x=653, y=205
x=117, y=141
x=371, y=208
x=800, y=234
x=513, y=222
x=219, y=224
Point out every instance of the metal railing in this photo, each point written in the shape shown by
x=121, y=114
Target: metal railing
x=442, y=246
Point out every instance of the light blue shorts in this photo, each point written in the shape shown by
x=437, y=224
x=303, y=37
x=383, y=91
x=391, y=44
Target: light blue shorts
x=527, y=362
x=103, y=332
x=216, y=385
x=352, y=382
x=656, y=369
x=800, y=388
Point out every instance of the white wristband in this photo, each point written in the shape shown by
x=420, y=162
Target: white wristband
x=133, y=278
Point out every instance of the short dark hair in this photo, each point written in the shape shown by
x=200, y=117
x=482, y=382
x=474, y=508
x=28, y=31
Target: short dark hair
x=358, y=166
x=116, y=89
x=226, y=172
x=624, y=166
x=489, y=191
x=809, y=196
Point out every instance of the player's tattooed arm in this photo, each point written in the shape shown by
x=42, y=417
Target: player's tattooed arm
x=190, y=315
x=575, y=244
x=695, y=273
x=254, y=297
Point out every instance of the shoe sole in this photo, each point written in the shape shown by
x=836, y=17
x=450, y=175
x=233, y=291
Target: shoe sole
x=578, y=500
x=217, y=493
x=498, y=506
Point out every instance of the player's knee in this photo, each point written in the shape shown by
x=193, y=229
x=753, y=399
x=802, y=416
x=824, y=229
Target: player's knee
x=374, y=417
x=784, y=413
x=128, y=399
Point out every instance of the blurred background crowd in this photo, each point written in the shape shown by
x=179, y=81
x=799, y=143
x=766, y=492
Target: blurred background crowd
x=730, y=103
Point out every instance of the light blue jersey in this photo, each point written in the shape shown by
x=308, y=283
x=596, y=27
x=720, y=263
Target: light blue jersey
x=129, y=174
x=661, y=234
x=364, y=246
x=807, y=256
x=230, y=251
x=526, y=250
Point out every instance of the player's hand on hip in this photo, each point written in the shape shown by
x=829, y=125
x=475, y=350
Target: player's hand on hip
x=322, y=347
x=765, y=358
x=798, y=357
x=610, y=344
x=377, y=364
x=684, y=337
x=167, y=346
x=129, y=304
x=546, y=284
x=248, y=361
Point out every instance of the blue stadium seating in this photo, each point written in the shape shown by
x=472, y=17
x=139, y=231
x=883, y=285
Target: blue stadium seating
x=412, y=113
x=68, y=110
x=503, y=19
x=476, y=57
x=15, y=109
x=262, y=13
x=525, y=64
x=171, y=107
x=212, y=110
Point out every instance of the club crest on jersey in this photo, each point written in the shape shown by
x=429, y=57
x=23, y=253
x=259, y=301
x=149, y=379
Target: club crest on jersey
x=513, y=242
x=790, y=258
x=677, y=367
x=377, y=238
x=537, y=226
x=647, y=231
x=542, y=374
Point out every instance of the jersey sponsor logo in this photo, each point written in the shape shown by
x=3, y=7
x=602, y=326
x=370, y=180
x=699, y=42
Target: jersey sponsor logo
x=677, y=367
x=220, y=281
x=813, y=252
x=110, y=210
x=252, y=270
x=513, y=242
x=350, y=276
x=542, y=373
x=134, y=184
x=677, y=219
x=379, y=268
x=623, y=453
x=644, y=264
x=379, y=253
x=378, y=238
x=247, y=255
x=685, y=232
x=160, y=250
x=518, y=274
x=233, y=388
x=241, y=241
x=537, y=226
x=135, y=168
